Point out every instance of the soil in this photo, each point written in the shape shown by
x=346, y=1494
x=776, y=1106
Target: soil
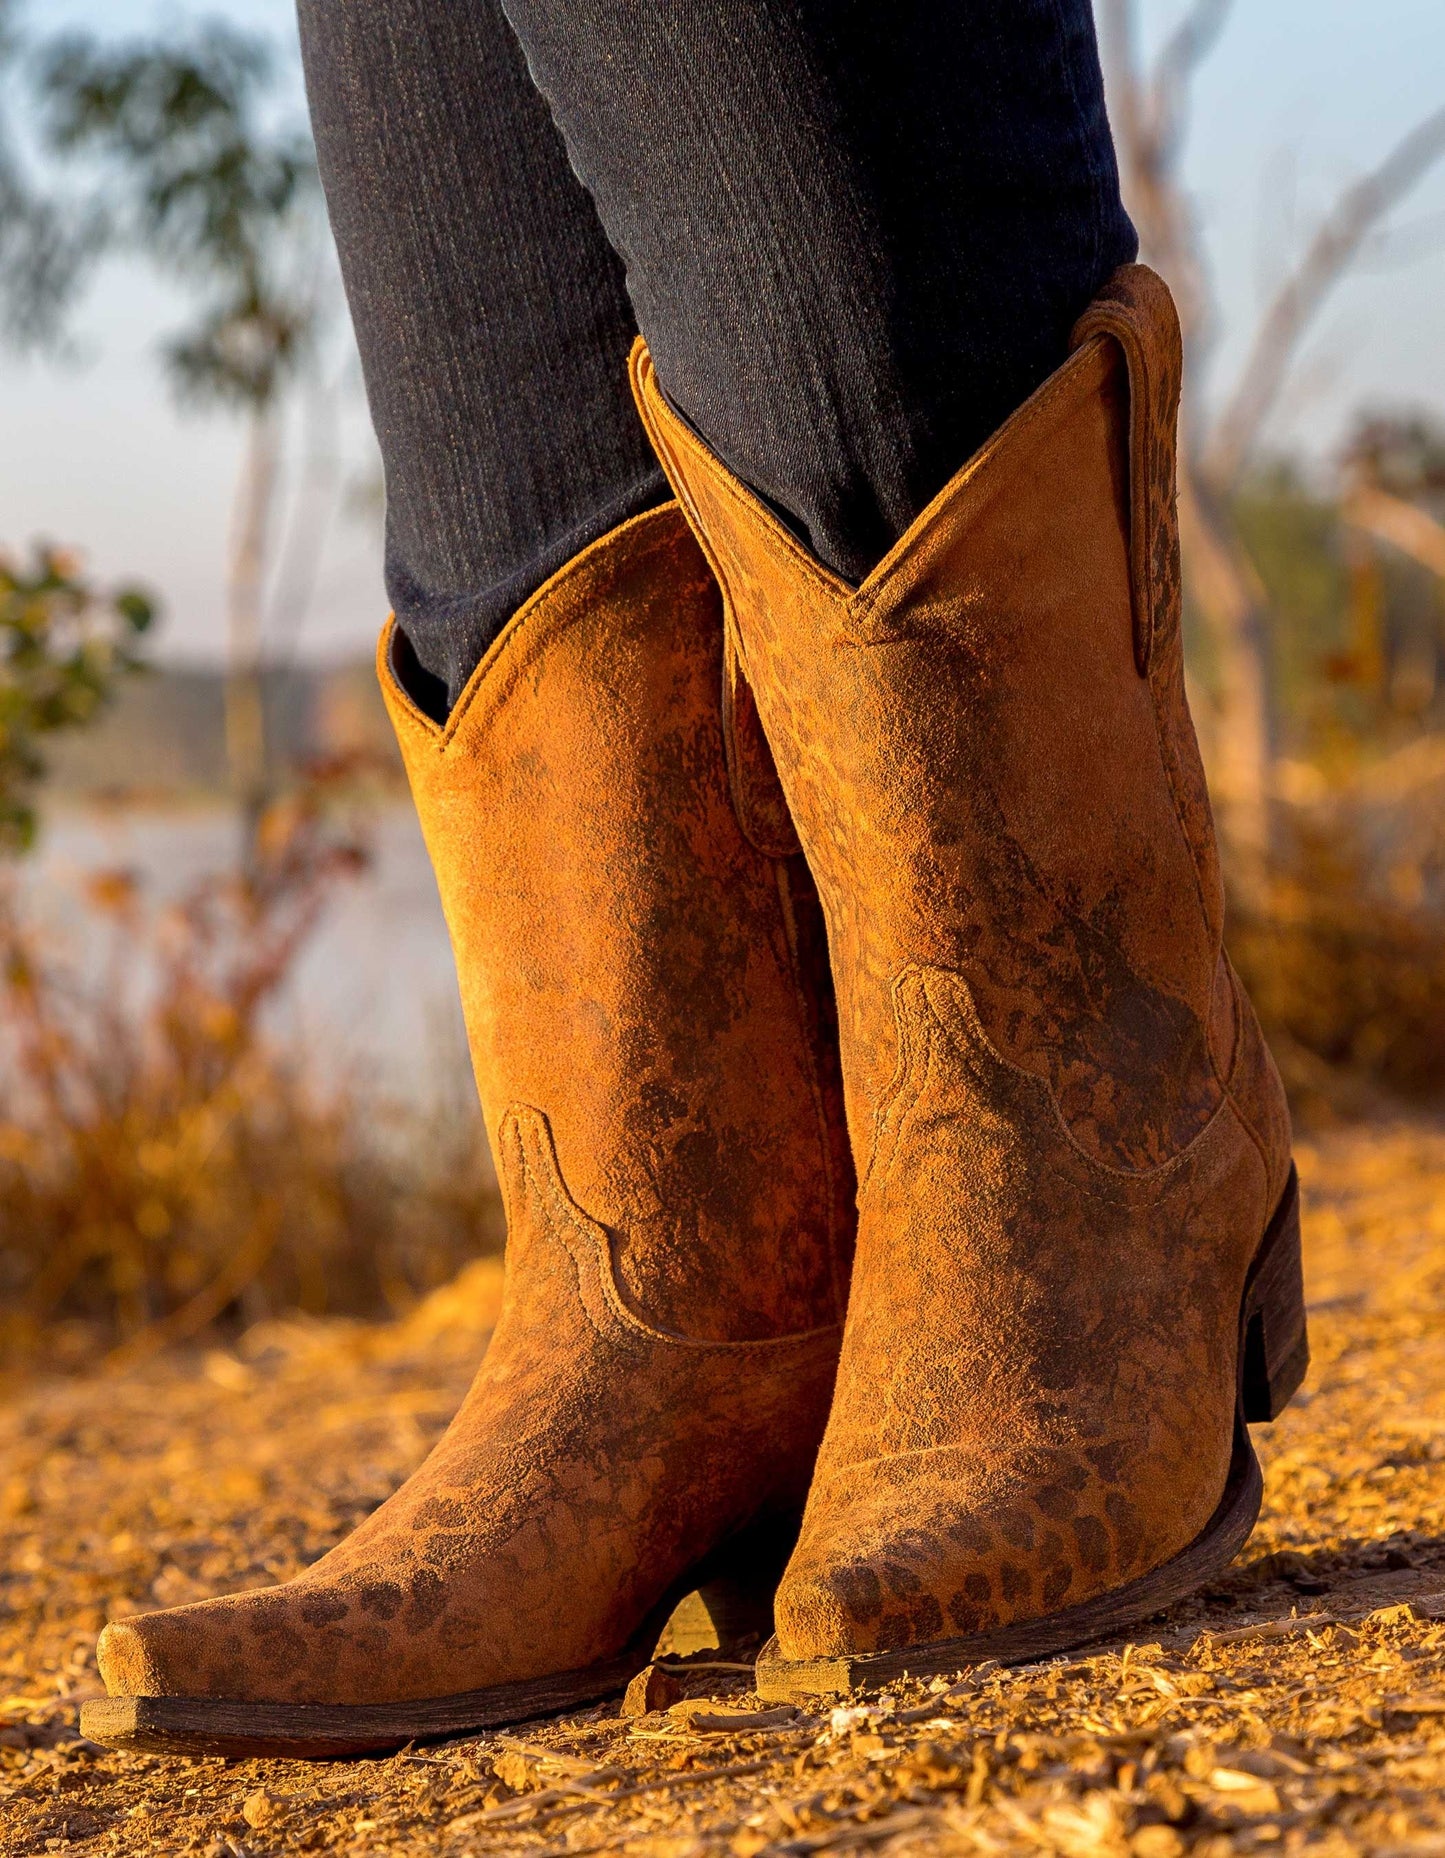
x=1299, y=1703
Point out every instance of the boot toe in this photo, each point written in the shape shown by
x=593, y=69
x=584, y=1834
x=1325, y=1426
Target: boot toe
x=1045, y=1537
x=182, y=1652
x=124, y=1661
x=851, y=1607
x=250, y=1647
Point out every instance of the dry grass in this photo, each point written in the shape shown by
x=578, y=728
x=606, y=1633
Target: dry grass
x=1349, y=984
x=1346, y=960
x=1298, y=1705
x=165, y=1166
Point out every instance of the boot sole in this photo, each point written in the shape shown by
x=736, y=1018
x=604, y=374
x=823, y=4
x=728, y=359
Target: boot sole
x=737, y=1598
x=1273, y=1357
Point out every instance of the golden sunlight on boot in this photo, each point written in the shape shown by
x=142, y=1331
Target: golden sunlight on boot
x=1078, y=1267
x=645, y=986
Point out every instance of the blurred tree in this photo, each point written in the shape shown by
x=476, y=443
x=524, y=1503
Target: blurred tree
x=195, y=177
x=1401, y=453
x=1291, y=534
x=1149, y=109
x=1393, y=471
x=44, y=246
x=64, y=646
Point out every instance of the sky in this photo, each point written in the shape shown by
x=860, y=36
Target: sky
x=1298, y=98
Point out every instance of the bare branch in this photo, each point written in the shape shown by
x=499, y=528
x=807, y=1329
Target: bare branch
x=1403, y=525
x=1148, y=118
x=1186, y=47
x=1193, y=38
x=1116, y=42
x=1329, y=255
x=1127, y=114
x=1150, y=192
x=1393, y=246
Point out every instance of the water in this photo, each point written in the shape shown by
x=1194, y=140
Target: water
x=372, y=1000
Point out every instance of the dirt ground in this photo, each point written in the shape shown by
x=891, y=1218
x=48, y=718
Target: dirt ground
x=1298, y=1704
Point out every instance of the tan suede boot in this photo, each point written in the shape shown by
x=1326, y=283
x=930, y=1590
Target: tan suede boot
x=644, y=978
x=1078, y=1255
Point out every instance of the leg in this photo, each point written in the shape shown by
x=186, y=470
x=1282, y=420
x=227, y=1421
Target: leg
x=490, y=313
x=857, y=233
x=1078, y=1268
x=1077, y=1275
x=641, y=966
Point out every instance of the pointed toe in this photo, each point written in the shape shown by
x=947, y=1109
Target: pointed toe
x=124, y=1660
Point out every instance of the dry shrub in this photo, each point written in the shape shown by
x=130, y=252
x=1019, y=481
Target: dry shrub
x=1346, y=961
x=165, y=1165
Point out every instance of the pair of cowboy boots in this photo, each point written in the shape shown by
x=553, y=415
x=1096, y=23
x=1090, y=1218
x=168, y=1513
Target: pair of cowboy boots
x=1075, y=1269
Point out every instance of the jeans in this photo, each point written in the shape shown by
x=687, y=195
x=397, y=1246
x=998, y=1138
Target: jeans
x=855, y=234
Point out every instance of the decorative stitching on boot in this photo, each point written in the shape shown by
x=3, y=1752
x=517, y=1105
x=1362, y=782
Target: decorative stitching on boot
x=592, y=1248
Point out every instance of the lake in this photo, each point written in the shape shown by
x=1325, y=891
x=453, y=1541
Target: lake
x=373, y=999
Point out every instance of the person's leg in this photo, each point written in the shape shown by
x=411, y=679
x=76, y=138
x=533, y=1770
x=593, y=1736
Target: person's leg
x=490, y=312
x=1078, y=1271
x=857, y=232
x=641, y=965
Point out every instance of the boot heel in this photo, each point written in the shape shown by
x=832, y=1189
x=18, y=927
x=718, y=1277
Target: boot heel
x=730, y=1610
x=1274, y=1344
x=724, y=1616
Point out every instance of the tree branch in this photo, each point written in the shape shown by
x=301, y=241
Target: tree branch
x=1327, y=258
x=1185, y=48
x=1148, y=117
x=1403, y=525
x=1116, y=39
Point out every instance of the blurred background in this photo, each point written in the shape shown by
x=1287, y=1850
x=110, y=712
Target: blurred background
x=232, y=1074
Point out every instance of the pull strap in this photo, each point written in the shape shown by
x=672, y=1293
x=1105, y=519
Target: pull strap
x=1137, y=311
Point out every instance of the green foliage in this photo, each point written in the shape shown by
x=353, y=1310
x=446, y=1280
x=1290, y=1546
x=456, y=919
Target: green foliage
x=1293, y=538
x=195, y=180
x=64, y=646
x=1400, y=452
x=1357, y=629
x=45, y=246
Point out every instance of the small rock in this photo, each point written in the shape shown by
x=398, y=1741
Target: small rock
x=260, y=1808
x=17, y=1498
x=1247, y=1791
x=652, y=1689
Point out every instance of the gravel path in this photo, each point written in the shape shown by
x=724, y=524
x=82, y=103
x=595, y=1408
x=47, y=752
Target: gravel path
x=1300, y=1704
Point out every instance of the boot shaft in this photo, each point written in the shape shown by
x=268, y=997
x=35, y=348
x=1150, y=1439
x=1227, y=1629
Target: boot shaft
x=987, y=749
x=632, y=966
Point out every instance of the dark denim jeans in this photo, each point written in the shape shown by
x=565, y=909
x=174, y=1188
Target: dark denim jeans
x=854, y=232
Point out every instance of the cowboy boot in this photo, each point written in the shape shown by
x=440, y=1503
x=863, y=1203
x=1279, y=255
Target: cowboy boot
x=1077, y=1273
x=644, y=980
